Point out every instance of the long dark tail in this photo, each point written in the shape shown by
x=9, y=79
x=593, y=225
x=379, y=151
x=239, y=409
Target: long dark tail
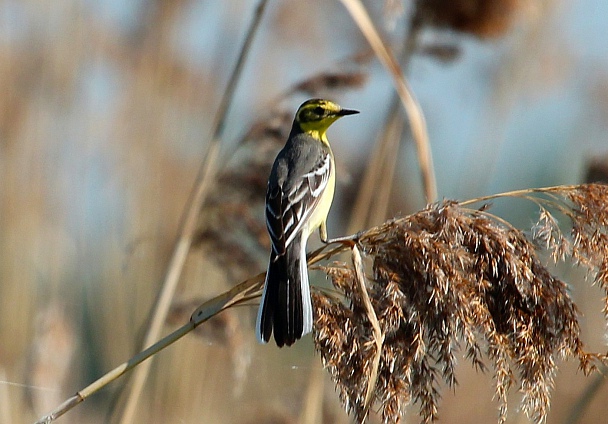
x=286, y=306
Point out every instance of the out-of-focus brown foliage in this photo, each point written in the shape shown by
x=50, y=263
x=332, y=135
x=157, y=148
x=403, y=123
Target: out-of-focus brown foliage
x=331, y=81
x=231, y=230
x=450, y=278
x=597, y=170
x=50, y=356
x=481, y=18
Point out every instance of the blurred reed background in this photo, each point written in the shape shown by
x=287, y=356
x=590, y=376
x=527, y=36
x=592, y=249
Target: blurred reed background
x=105, y=116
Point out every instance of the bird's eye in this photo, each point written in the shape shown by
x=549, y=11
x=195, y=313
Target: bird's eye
x=319, y=111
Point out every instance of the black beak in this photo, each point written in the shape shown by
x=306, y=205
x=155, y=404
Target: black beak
x=344, y=112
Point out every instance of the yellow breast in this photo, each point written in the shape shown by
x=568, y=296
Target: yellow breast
x=319, y=215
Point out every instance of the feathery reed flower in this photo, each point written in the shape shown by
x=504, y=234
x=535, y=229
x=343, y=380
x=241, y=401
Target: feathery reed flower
x=450, y=280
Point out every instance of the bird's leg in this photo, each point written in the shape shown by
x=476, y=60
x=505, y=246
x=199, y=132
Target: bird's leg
x=323, y=232
x=344, y=240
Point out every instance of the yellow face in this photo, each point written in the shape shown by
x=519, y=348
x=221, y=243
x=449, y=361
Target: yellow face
x=316, y=115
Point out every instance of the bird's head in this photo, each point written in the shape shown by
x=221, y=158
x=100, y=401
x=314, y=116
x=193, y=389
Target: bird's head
x=316, y=115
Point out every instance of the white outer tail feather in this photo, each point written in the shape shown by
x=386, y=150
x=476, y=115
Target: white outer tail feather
x=305, y=292
x=305, y=288
x=258, y=321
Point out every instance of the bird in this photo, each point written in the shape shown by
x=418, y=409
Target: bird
x=299, y=195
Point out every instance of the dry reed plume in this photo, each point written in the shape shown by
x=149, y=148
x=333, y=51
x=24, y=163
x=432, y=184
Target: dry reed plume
x=481, y=18
x=450, y=280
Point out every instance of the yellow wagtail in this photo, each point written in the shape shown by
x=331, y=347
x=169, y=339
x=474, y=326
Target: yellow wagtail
x=299, y=195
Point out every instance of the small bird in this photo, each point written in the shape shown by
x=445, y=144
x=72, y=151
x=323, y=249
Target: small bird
x=299, y=194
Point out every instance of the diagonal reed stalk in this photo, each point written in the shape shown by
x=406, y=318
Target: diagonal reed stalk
x=414, y=112
x=203, y=183
x=373, y=197
x=241, y=293
x=372, y=203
